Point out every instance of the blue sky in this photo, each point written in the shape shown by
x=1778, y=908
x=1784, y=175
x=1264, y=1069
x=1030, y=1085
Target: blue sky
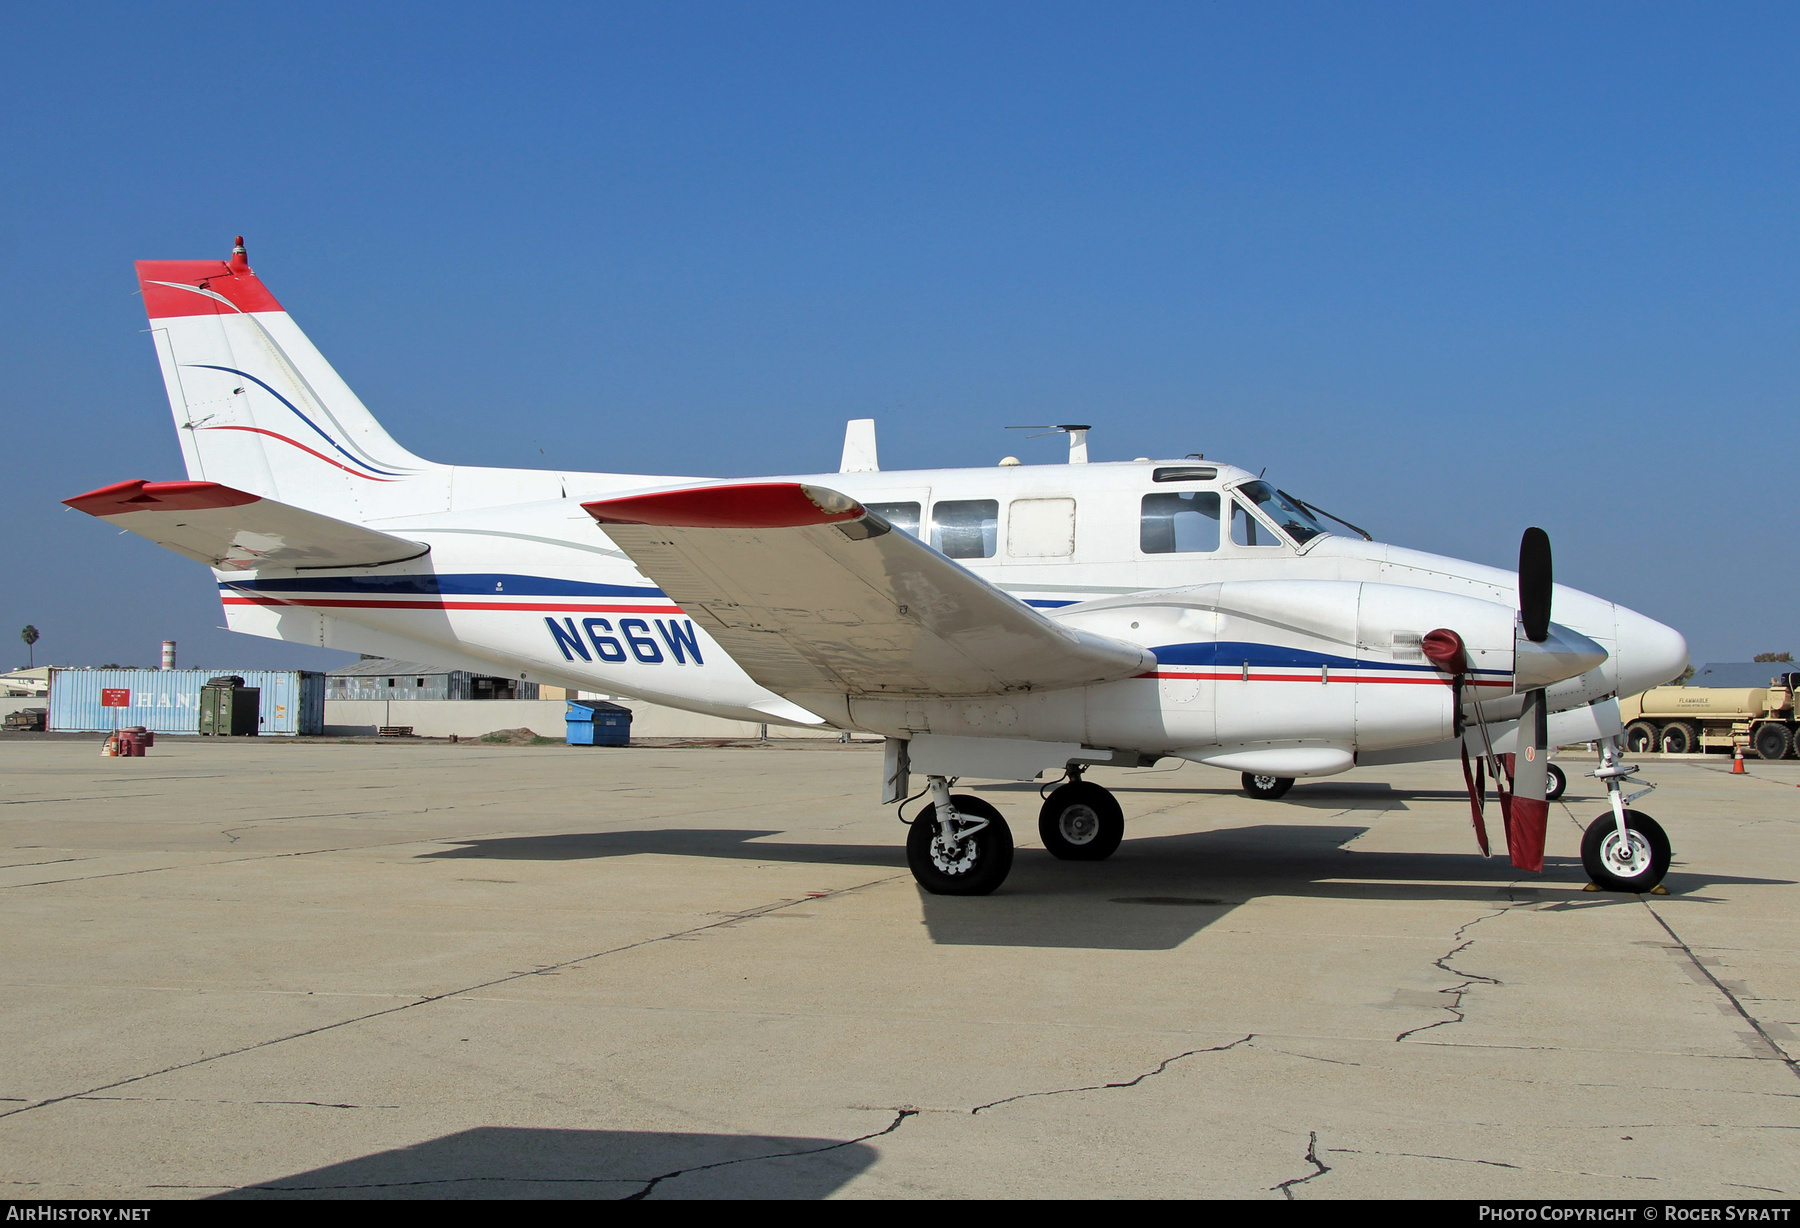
x=1448, y=269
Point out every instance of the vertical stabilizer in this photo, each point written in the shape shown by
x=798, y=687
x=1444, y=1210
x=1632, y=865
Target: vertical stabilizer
x=257, y=406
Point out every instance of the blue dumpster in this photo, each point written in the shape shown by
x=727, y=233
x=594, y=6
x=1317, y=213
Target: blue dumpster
x=594, y=722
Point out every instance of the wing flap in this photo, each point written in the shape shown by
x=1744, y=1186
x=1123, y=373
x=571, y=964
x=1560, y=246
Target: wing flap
x=231, y=530
x=811, y=593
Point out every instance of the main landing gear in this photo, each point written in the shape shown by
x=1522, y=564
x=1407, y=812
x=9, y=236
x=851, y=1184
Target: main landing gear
x=1624, y=850
x=1266, y=788
x=960, y=845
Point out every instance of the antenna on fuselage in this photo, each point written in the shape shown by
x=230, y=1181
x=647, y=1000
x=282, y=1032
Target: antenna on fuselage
x=859, y=447
x=1077, y=438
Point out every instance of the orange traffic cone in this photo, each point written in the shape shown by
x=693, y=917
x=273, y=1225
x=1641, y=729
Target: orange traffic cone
x=1737, y=761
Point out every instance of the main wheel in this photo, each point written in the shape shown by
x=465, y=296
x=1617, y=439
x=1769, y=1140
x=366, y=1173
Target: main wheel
x=1640, y=737
x=1555, y=783
x=1678, y=739
x=1771, y=741
x=1615, y=865
x=1268, y=788
x=974, y=865
x=1081, y=822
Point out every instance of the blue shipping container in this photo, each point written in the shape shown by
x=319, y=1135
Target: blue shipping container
x=168, y=700
x=594, y=722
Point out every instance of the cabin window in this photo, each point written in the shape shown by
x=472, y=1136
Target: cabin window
x=1293, y=519
x=1040, y=528
x=1180, y=523
x=903, y=516
x=1247, y=530
x=966, y=528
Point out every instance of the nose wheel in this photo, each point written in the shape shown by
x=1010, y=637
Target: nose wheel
x=1080, y=821
x=1633, y=861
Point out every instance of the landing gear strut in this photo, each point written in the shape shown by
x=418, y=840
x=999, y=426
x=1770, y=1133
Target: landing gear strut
x=958, y=845
x=1080, y=821
x=1625, y=850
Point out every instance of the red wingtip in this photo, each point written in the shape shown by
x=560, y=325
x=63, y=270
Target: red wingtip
x=753, y=505
x=240, y=259
x=141, y=496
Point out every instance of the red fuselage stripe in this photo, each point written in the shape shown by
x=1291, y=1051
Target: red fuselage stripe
x=427, y=603
x=1352, y=676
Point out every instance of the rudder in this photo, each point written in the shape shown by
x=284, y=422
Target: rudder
x=258, y=408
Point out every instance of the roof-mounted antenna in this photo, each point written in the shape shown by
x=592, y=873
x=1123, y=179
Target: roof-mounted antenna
x=1077, y=438
x=240, y=259
x=859, y=447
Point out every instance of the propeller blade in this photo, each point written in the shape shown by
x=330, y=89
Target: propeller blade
x=1534, y=584
x=1529, y=815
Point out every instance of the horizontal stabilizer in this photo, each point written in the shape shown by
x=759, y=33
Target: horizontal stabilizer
x=233, y=531
x=811, y=593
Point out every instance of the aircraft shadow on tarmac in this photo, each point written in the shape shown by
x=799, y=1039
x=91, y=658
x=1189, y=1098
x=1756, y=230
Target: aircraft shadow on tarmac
x=508, y=1162
x=1153, y=894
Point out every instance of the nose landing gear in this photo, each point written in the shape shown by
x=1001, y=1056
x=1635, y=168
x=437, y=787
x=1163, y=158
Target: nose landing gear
x=1625, y=850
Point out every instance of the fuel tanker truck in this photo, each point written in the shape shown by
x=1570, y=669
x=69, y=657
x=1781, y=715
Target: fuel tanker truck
x=1681, y=720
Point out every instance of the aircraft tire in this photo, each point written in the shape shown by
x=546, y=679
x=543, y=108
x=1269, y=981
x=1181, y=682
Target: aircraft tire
x=1600, y=848
x=1081, y=822
x=1678, y=738
x=1555, y=784
x=1640, y=737
x=1265, y=787
x=976, y=866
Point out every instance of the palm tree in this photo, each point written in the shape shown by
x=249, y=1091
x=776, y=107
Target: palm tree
x=30, y=636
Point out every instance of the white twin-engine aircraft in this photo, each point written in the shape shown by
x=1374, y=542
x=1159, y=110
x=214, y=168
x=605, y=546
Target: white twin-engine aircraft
x=995, y=623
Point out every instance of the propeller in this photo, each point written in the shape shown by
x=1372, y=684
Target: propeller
x=1527, y=816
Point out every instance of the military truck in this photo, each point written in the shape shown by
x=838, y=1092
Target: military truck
x=1681, y=720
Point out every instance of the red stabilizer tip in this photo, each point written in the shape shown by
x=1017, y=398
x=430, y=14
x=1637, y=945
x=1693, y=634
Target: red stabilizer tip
x=141, y=496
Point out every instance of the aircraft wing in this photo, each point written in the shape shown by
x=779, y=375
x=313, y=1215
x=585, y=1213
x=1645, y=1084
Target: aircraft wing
x=234, y=531
x=811, y=593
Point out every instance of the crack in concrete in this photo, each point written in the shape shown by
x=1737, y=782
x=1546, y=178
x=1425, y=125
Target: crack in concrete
x=900, y=1117
x=1457, y=1014
x=1419, y=1155
x=1779, y=1053
x=426, y=1000
x=1102, y=1087
x=1312, y=1157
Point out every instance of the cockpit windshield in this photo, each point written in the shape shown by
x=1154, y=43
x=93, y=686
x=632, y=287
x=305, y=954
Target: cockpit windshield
x=1288, y=515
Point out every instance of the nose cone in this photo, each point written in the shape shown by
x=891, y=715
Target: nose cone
x=1563, y=654
x=1649, y=654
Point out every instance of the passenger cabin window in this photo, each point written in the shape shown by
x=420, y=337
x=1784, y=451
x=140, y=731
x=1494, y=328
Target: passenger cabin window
x=1040, y=528
x=966, y=528
x=1179, y=523
x=1184, y=473
x=903, y=516
x=1247, y=530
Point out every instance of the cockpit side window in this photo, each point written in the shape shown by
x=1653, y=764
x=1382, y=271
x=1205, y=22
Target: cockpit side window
x=1289, y=516
x=1179, y=522
x=1247, y=530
